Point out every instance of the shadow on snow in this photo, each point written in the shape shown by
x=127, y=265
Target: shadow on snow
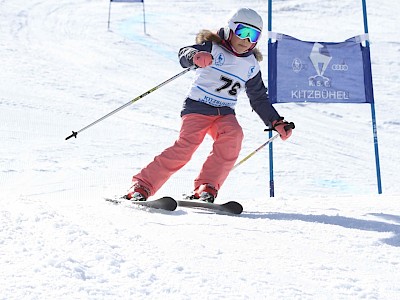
x=346, y=222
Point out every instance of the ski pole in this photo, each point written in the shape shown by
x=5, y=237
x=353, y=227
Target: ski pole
x=255, y=151
x=289, y=125
x=75, y=133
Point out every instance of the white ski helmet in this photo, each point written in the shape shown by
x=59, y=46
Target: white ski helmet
x=245, y=16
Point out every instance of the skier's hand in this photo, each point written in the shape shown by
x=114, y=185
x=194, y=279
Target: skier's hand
x=283, y=127
x=202, y=59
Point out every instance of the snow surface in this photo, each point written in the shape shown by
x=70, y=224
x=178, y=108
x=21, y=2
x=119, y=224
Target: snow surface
x=326, y=234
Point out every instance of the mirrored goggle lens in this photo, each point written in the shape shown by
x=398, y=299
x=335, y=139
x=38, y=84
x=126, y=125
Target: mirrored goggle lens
x=245, y=32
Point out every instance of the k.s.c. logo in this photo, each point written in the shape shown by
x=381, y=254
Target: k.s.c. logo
x=219, y=60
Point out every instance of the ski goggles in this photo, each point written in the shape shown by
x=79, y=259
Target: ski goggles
x=243, y=31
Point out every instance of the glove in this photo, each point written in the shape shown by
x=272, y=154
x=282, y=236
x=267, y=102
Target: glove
x=283, y=127
x=202, y=59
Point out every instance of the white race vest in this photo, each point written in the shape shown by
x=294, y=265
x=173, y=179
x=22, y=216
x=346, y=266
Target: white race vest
x=220, y=83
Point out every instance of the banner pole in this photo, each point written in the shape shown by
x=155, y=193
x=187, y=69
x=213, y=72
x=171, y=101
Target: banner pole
x=144, y=19
x=109, y=15
x=271, y=154
x=373, y=115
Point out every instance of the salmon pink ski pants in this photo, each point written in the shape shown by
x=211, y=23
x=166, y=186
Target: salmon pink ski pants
x=227, y=135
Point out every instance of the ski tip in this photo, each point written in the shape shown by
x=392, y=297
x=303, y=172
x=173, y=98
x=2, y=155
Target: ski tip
x=165, y=203
x=170, y=202
x=234, y=207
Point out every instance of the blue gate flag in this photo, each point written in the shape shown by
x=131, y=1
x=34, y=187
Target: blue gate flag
x=301, y=71
x=324, y=72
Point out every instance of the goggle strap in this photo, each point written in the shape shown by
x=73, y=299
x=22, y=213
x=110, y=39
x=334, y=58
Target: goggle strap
x=249, y=25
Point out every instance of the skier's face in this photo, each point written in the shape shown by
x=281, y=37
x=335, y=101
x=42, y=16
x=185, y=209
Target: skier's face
x=241, y=45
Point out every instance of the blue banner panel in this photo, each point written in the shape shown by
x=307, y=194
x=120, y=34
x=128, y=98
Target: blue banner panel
x=317, y=71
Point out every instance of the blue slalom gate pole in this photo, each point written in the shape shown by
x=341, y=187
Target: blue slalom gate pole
x=271, y=154
x=374, y=129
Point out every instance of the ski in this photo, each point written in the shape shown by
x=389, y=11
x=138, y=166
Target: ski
x=165, y=203
x=170, y=204
x=231, y=207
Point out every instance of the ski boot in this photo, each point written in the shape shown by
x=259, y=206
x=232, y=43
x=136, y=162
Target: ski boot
x=205, y=192
x=137, y=193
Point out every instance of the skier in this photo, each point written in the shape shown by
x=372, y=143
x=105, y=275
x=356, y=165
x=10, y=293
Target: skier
x=227, y=63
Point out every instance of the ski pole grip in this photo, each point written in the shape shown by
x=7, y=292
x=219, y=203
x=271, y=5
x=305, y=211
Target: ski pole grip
x=286, y=127
x=289, y=126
